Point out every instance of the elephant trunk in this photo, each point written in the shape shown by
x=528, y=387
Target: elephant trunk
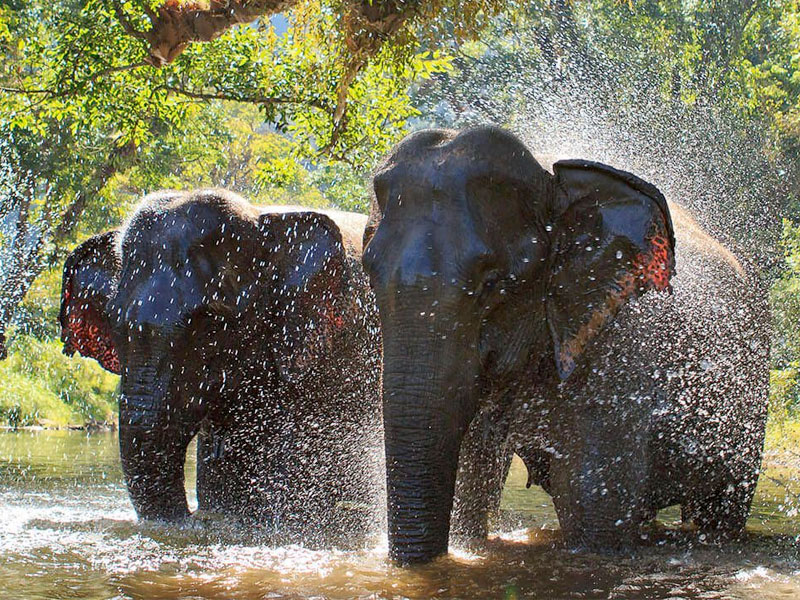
x=425, y=419
x=152, y=444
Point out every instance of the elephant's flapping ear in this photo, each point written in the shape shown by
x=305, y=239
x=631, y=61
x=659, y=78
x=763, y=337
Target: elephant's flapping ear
x=613, y=241
x=90, y=276
x=308, y=261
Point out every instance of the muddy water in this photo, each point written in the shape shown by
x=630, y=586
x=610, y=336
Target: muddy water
x=67, y=530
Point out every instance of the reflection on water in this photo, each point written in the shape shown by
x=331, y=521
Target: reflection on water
x=67, y=530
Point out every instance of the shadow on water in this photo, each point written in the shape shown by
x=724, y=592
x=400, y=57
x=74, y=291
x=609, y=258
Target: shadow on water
x=67, y=531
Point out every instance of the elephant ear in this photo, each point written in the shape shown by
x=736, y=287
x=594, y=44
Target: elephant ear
x=375, y=216
x=613, y=241
x=90, y=276
x=307, y=262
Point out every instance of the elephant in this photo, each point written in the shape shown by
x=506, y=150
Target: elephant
x=252, y=328
x=539, y=313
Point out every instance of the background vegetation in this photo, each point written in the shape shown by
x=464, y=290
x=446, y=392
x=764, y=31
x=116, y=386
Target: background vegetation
x=102, y=101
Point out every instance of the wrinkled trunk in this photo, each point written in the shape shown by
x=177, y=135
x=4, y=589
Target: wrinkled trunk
x=426, y=412
x=153, y=441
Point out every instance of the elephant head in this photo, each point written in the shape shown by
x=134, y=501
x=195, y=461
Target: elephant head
x=488, y=268
x=170, y=302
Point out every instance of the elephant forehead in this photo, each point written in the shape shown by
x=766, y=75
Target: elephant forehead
x=167, y=232
x=442, y=161
x=406, y=181
x=164, y=231
x=160, y=299
x=444, y=172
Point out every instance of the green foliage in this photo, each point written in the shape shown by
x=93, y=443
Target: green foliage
x=41, y=386
x=783, y=394
x=785, y=301
x=72, y=62
x=248, y=157
x=344, y=188
x=38, y=314
x=783, y=436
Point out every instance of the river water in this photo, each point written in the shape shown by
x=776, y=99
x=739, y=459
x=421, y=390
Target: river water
x=67, y=530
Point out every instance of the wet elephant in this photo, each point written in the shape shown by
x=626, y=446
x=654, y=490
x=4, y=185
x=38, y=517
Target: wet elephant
x=254, y=328
x=530, y=312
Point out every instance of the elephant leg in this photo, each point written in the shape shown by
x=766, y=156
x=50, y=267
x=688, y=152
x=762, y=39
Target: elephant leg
x=721, y=506
x=485, y=459
x=599, y=476
x=218, y=476
x=235, y=460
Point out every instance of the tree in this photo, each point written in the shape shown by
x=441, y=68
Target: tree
x=81, y=101
x=646, y=86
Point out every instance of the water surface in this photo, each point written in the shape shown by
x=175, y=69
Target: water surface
x=67, y=530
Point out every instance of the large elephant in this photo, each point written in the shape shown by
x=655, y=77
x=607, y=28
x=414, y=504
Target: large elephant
x=515, y=318
x=254, y=328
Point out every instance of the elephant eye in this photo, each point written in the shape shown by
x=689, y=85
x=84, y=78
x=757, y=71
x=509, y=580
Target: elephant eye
x=492, y=282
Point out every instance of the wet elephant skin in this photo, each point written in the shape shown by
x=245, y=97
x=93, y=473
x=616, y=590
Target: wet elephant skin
x=254, y=329
x=538, y=313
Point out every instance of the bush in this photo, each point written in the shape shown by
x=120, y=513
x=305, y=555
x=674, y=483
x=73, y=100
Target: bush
x=41, y=386
x=783, y=393
x=38, y=313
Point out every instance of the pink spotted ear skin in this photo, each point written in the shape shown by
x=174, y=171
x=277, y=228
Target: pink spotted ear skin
x=632, y=252
x=86, y=333
x=651, y=270
x=657, y=267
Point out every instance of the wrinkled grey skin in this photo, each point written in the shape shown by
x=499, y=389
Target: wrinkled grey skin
x=506, y=329
x=252, y=328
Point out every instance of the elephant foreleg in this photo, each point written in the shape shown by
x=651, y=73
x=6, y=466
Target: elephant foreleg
x=720, y=504
x=484, y=461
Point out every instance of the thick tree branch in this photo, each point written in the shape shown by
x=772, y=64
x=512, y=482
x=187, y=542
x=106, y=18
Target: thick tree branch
x=176, y=24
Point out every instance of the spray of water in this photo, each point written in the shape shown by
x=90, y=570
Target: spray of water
x=700, y=156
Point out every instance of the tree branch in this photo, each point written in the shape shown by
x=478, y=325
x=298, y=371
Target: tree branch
x=31, y=92
x=125, y=22
x=175, y=25
x=243, y=98
x=367, y=25
x=56, y=93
